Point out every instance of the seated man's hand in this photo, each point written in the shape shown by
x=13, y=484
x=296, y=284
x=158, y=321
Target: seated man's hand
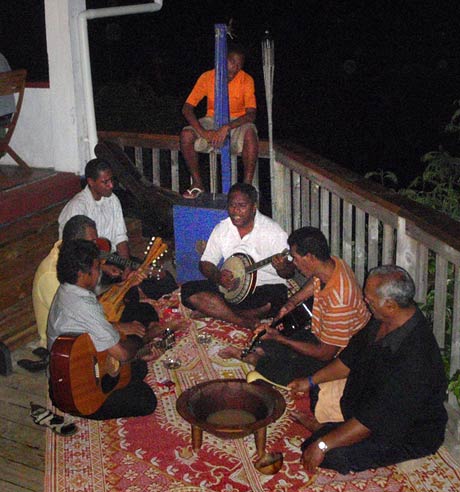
x=312, y=457
x=136, y=276
x=279, y=262
x=111, y=270
x=126, y=273
x=220, y=135
x=227, y=279
x=260, y=327
x=208, y=135
x=131, y=328
x=271, y=333
x=284, y=268
x=300, y=385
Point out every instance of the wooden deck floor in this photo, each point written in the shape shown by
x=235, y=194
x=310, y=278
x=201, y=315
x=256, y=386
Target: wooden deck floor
x=22, y=443
x=23, y=245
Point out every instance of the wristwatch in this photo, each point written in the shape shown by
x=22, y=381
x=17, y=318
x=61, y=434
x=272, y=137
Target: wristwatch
x=323, y=446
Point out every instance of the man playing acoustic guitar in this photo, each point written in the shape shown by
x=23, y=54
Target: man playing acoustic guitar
x=46, y=283
x=98, y=201
x=246, y=231
x=75, y=310
x=45, y=280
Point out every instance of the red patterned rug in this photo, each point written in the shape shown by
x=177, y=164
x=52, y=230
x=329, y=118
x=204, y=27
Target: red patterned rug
x=154, y=453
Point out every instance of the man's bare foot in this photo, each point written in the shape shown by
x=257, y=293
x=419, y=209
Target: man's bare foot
x=306, y=420
x=229, y=352
x=153, y=330
x=235, y=353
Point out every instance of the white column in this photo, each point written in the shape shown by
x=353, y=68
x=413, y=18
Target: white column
x=69, y=151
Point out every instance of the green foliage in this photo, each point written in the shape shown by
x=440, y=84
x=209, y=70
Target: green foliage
x=439, y=185
x=454, y=385
x=439, y=188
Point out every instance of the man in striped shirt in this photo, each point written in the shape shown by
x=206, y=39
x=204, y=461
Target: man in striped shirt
x=339, y=311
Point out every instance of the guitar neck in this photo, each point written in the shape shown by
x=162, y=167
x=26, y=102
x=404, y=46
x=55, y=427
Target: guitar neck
x=255, y=266
x=120, y=261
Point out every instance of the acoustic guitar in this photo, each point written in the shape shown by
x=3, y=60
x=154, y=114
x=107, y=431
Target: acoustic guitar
x=113, y=299
x=81, y=379
x=114, y=258
x=244, y=270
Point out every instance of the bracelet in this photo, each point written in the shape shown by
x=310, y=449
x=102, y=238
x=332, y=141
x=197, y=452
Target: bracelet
x=311, y=383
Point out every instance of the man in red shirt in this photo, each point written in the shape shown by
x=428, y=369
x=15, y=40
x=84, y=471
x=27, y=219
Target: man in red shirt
x=201, y=135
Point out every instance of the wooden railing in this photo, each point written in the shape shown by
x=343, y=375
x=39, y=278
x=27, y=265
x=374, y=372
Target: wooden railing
x=366, y=224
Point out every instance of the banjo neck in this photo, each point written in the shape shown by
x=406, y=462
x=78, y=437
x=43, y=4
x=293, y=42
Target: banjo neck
x=255, y=266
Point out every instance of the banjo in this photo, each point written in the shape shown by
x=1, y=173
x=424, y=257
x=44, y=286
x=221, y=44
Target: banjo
x=244, y=271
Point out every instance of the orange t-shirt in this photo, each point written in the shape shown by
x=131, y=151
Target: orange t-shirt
x=339, y=310
x=241, y=93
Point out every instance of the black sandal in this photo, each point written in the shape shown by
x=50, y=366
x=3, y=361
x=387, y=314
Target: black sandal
x=41, y=352
x=46, y=418
x=33, y=365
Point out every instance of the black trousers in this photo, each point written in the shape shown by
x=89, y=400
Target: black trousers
x=281, y=364
x=275, y=294
x=369, y=453
x=137, y=398
x=134, y=400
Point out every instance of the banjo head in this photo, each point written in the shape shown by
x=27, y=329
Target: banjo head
x=244, y=284
x=237, y=264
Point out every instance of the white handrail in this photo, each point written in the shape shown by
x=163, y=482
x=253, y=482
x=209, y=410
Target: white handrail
x=83, y=18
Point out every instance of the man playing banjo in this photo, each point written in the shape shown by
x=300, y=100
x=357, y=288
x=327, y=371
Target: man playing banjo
x=250, y=284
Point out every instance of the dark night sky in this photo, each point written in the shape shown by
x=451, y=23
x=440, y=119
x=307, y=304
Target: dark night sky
x=368, y=84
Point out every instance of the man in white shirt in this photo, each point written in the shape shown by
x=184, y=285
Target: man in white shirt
x=98, y=202
x=246, y=231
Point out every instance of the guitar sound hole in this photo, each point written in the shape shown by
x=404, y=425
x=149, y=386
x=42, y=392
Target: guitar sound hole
x=109, y=382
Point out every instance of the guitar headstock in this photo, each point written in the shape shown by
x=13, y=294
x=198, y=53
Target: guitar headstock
x=155, y=250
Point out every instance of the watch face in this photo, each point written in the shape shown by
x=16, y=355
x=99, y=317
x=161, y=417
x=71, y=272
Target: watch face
x=323, y=446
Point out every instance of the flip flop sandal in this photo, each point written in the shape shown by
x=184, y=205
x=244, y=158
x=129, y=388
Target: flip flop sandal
x=33, y=365
x=46, y=418
x=192, y=193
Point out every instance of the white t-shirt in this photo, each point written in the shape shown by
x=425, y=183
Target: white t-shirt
x=266, y=239
x=106, y=212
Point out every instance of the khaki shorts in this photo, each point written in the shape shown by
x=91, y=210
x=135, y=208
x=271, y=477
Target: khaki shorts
x=236, y=136
x=328, y=407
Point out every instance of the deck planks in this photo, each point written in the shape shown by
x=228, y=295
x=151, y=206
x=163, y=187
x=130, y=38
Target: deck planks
x=22, y=443
x=23, y=245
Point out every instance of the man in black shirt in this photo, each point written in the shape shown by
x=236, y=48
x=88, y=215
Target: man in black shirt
x=393, y=400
